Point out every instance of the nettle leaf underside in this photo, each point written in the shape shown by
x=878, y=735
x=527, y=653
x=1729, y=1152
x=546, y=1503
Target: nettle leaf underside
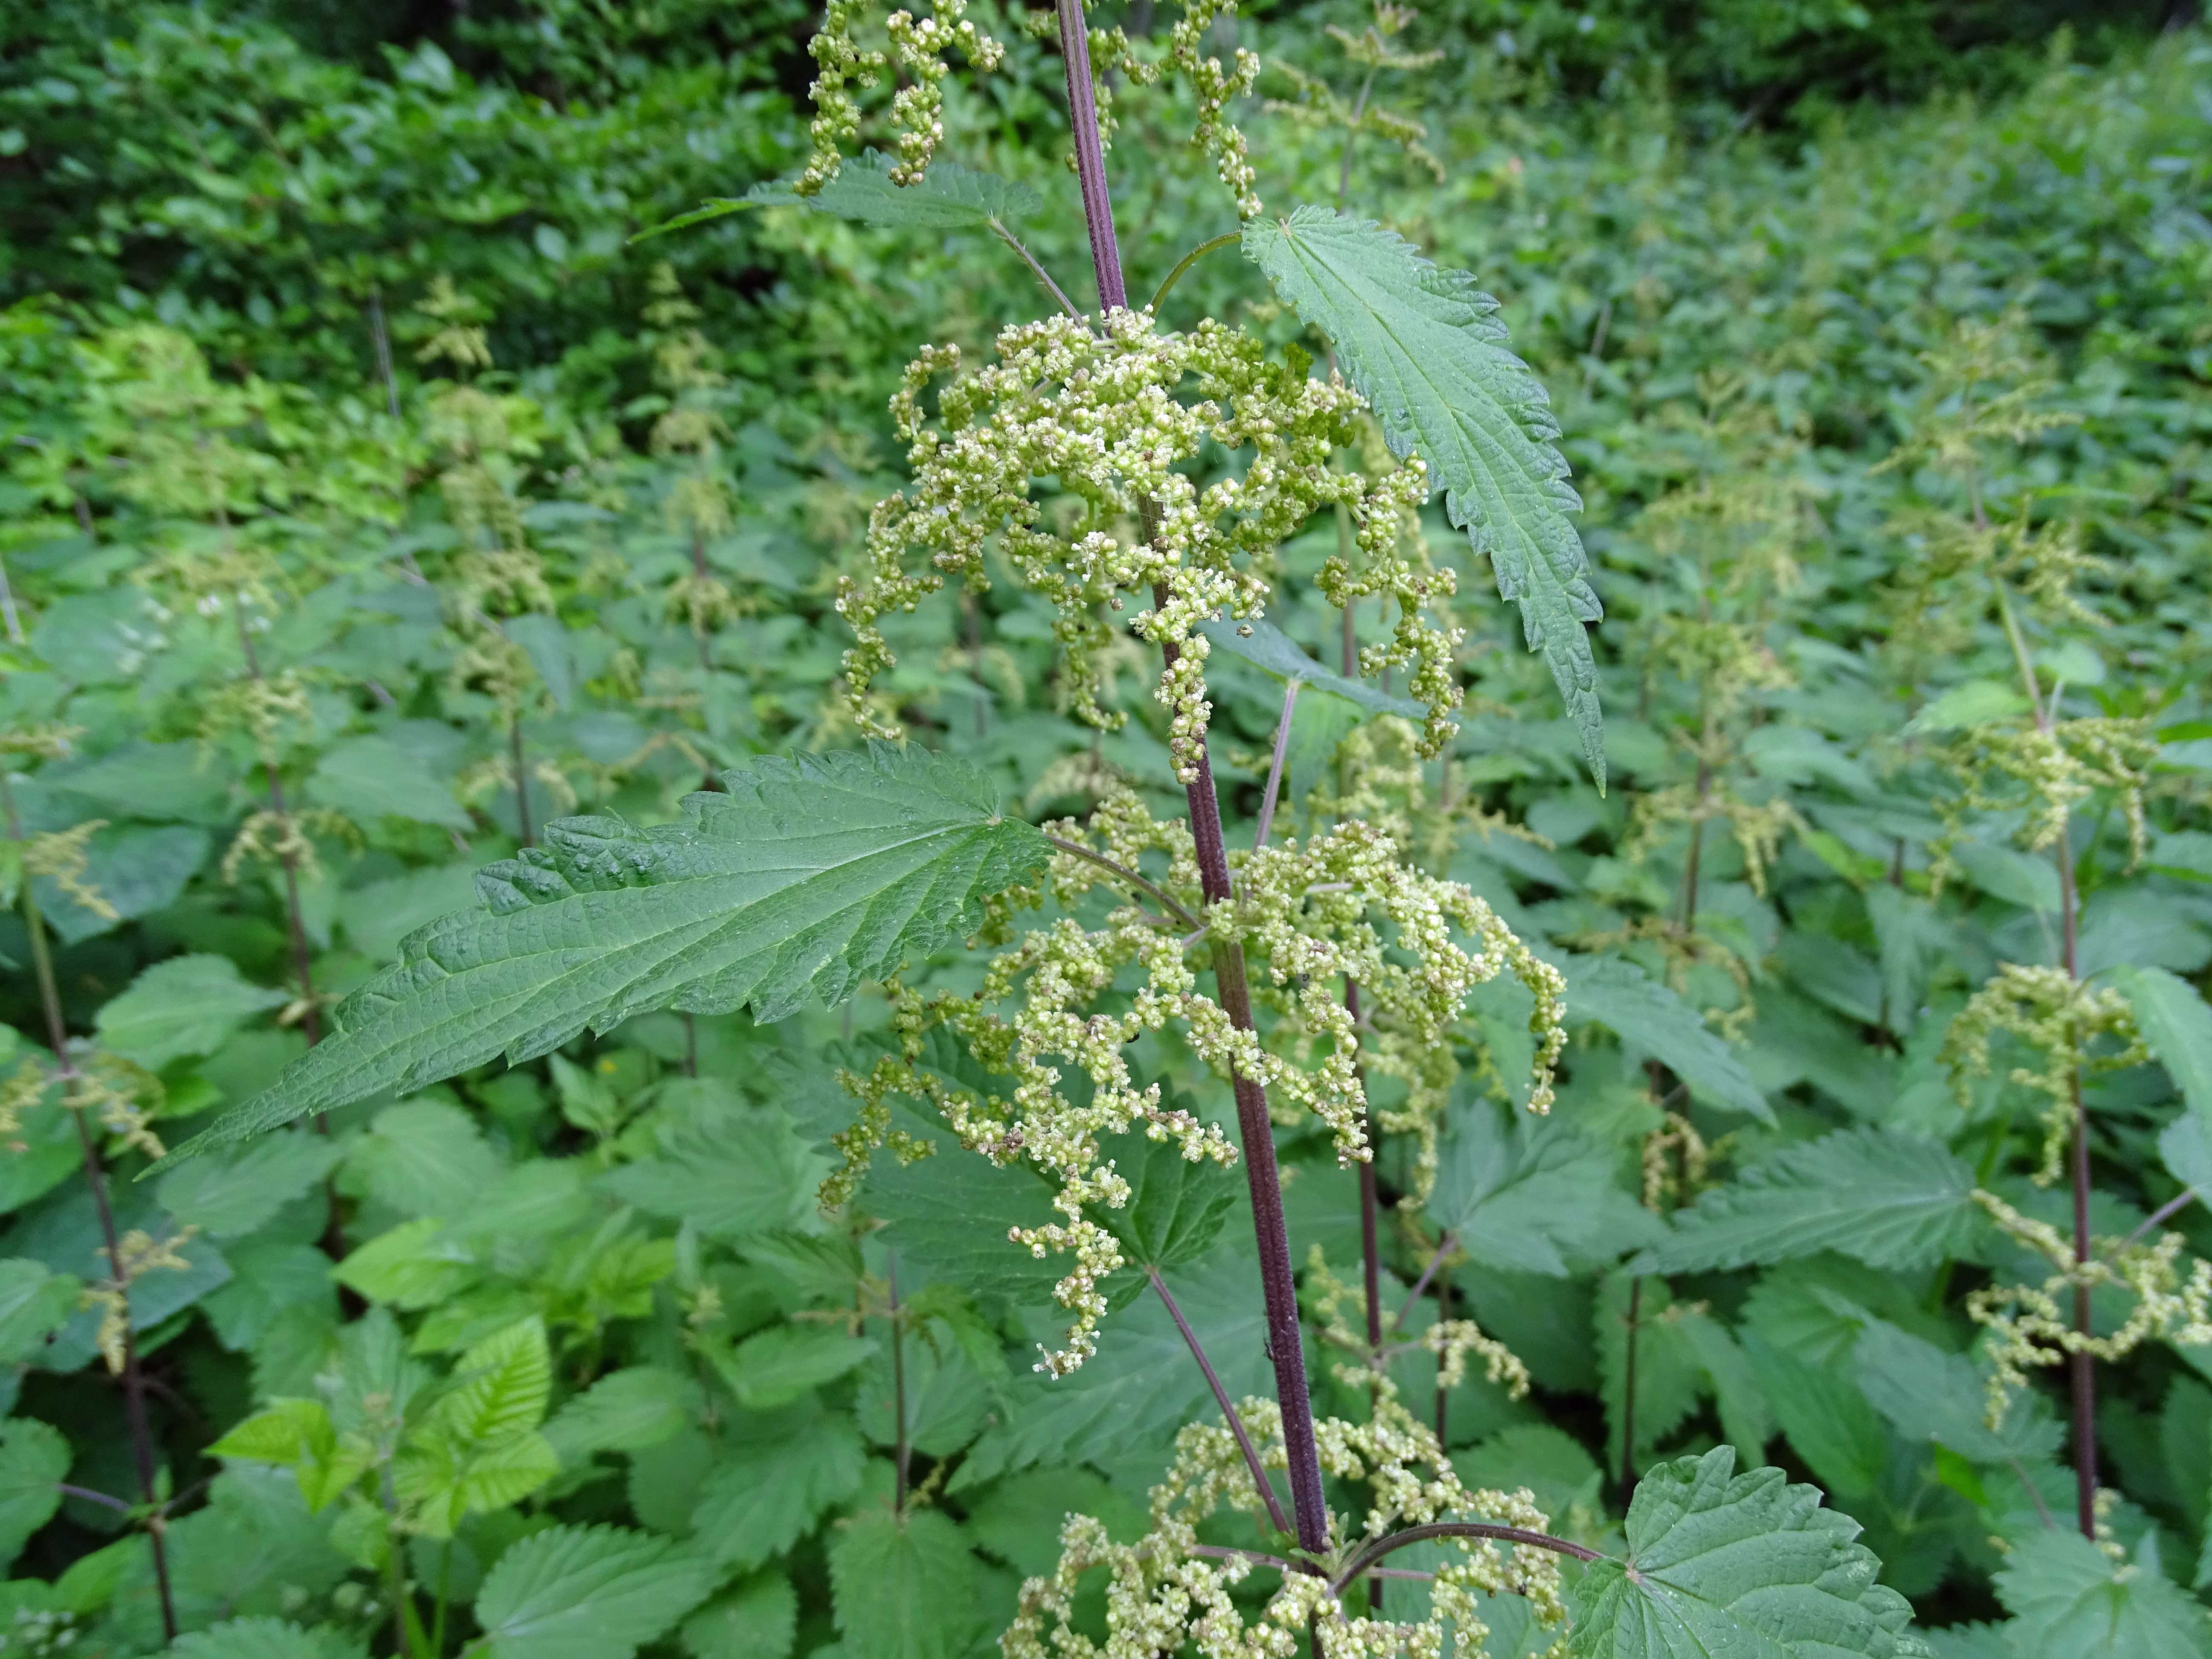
x=1425, y=347
x=808, y=878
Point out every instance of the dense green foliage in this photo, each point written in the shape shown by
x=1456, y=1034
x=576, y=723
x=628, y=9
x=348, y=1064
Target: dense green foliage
x=420, y=594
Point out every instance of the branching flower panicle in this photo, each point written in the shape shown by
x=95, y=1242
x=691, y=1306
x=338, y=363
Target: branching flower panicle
x=915, y=51
x=1165, y=1594
x=2029, y=1328
x=1101, y=416
x=2058, y=1017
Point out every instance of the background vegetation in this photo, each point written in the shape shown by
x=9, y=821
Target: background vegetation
x=368, y=498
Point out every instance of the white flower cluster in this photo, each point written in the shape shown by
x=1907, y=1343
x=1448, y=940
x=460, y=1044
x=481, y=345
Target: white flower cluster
x=1103, y=416
x=1343, y=904
x=1168, y=1590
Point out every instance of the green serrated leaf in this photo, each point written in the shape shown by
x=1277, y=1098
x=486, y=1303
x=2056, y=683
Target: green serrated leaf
x=33, y=1455
x=628, y=1410
x=715, y=207
x=903, y=1586
x=746, y=1174
x=948, y=196
x=1890, y=1200
x=2178, y=1025
x=755, y=1620
x=1828, y=1421
x=2071, y=1601
x=185, y=1005
x=809, y=876
x=1743, y=1564
x=1275, y=654
x=231, y=1194
x=775, y=1366
x=2184, y=1146
x=587, y=1593
x=35, y=1303
x=1526, y=1194
x=1928, y=1395
x=1651, y=1018
x=500, y=1387
x=775, y=1475
x=1176, y=1207
x=1425, y=348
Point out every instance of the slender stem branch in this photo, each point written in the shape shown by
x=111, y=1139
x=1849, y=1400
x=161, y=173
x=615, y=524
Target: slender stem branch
x=1221, y=1399
x=1158, y=894
x=92, y=1496
x=1038, y=270
x=1275, y=767
x=1365, y=1560
x=1370, y=1253
x=382, y=339
x=8, y=608
x=2166, y=1212
x=1187, y=261
x=903, y=1449
x=1628, y=1388
x=295, y=923
x=1443, y=1311
x=2034, y=1494
x=1446, y=1246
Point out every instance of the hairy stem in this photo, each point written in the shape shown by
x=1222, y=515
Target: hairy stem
x=1446, y=1246
x=1187, y=261
x=1352, y=136
x=134, y=1377
x=1038, y=270
x=1229, y=1412
x=1256, y=1130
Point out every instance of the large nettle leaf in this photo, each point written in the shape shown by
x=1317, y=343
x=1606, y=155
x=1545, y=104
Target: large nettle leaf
x=1893, y=1200
x=1425, y=348
x=1743, y=1564
x=809, y=876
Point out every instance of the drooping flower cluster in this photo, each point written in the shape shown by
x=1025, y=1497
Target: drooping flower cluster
x=915, y=53
x=1341, y=905
x=1101, y=416
x=2030, y=1328
x=2060, y=1018
x=1168, y=1590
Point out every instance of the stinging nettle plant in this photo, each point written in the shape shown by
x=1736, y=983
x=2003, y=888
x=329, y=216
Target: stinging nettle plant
x=1298, y=972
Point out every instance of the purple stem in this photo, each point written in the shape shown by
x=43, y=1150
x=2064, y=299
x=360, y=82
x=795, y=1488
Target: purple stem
x=1279, y=1283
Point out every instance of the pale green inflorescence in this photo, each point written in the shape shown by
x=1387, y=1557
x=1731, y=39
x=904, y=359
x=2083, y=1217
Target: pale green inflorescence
x=1163, y=1594
x=1101, y=414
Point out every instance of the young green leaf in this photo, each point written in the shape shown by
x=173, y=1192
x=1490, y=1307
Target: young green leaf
x=1276, y=654
x=185, y=1005
x=948, y=197
x=1425, y=347
x=1650, y=1018
x=775, y=1366
x=33, y=1455
x=1177, y=1207
x=903, y=1586
x=587, y=1593
x=807, y=878
x=2178, y=1025
x=2071, y=1601
x=628, y=1410
x=1890, y=1200
x=1721, y=1562
x=35, y=1303
x=776, y=1475
x=744, y=1174
x=1526, y=1194
x=755, y=1620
